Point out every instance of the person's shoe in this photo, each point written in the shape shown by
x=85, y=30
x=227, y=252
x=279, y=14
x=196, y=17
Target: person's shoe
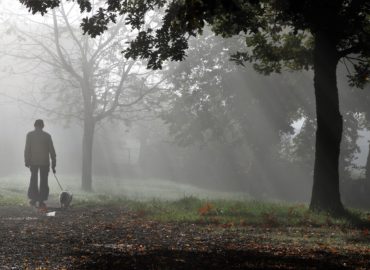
x=42, y=205
x=32, y=203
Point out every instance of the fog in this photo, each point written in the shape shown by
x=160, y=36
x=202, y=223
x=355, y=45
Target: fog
x=210, y=128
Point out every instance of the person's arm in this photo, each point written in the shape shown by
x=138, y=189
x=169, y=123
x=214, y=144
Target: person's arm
x=53, y=155
x=27, y=152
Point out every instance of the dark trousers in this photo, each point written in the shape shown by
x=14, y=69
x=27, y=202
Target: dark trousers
x=34, y=192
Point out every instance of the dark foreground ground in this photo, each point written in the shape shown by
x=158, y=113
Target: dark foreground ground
x=116, y=238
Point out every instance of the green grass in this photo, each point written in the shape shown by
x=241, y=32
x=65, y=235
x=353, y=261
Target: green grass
x=224, y=212
x=10, y=197
x=238, y=212
x=135, y=189
x=214, y=209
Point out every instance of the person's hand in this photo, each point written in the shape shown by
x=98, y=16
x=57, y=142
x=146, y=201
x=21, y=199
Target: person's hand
x=54, y=171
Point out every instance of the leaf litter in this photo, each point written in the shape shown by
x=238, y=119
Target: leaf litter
x=118, y=238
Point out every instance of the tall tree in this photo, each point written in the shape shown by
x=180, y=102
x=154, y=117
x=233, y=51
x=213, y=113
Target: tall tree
x=90, y=78
x=279, y=33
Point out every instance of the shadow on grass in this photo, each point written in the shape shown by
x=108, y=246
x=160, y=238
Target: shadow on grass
x=356, y=220
x=221, y=259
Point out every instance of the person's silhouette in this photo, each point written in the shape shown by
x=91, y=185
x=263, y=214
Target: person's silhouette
x=37, y=153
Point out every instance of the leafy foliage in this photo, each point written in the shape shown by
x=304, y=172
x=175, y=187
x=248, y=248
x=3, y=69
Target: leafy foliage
x=278, y=32
x=361, y=74
x=43, y=6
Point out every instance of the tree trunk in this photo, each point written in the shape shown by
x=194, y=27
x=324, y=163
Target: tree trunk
x=367, y=172
x=325, y=191
x=87, y=147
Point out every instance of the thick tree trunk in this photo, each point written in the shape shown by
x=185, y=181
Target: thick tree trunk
x=325, y=191
x=87, y=147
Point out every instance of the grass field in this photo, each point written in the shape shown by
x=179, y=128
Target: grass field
x=167, y=201
x=136, y=189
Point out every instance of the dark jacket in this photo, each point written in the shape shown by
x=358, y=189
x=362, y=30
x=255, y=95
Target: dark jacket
x=39, y=146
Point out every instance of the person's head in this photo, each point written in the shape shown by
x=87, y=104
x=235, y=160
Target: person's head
x=39, y=124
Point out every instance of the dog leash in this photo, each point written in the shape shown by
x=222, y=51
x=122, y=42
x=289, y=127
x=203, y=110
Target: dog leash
x=56, y=178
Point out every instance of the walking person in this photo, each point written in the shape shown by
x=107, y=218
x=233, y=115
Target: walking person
x=37, y=154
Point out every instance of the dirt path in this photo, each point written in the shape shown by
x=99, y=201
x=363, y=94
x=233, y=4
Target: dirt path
x=114, y=238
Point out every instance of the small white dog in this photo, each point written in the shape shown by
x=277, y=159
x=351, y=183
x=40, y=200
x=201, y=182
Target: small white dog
x=65, y=199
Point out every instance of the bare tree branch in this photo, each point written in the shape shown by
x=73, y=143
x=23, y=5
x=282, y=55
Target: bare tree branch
x=35, y=104
x=67, y=66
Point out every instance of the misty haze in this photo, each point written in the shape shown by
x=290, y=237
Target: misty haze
x=184, y=134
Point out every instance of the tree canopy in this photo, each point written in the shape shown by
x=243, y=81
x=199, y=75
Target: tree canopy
x=278, y=32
